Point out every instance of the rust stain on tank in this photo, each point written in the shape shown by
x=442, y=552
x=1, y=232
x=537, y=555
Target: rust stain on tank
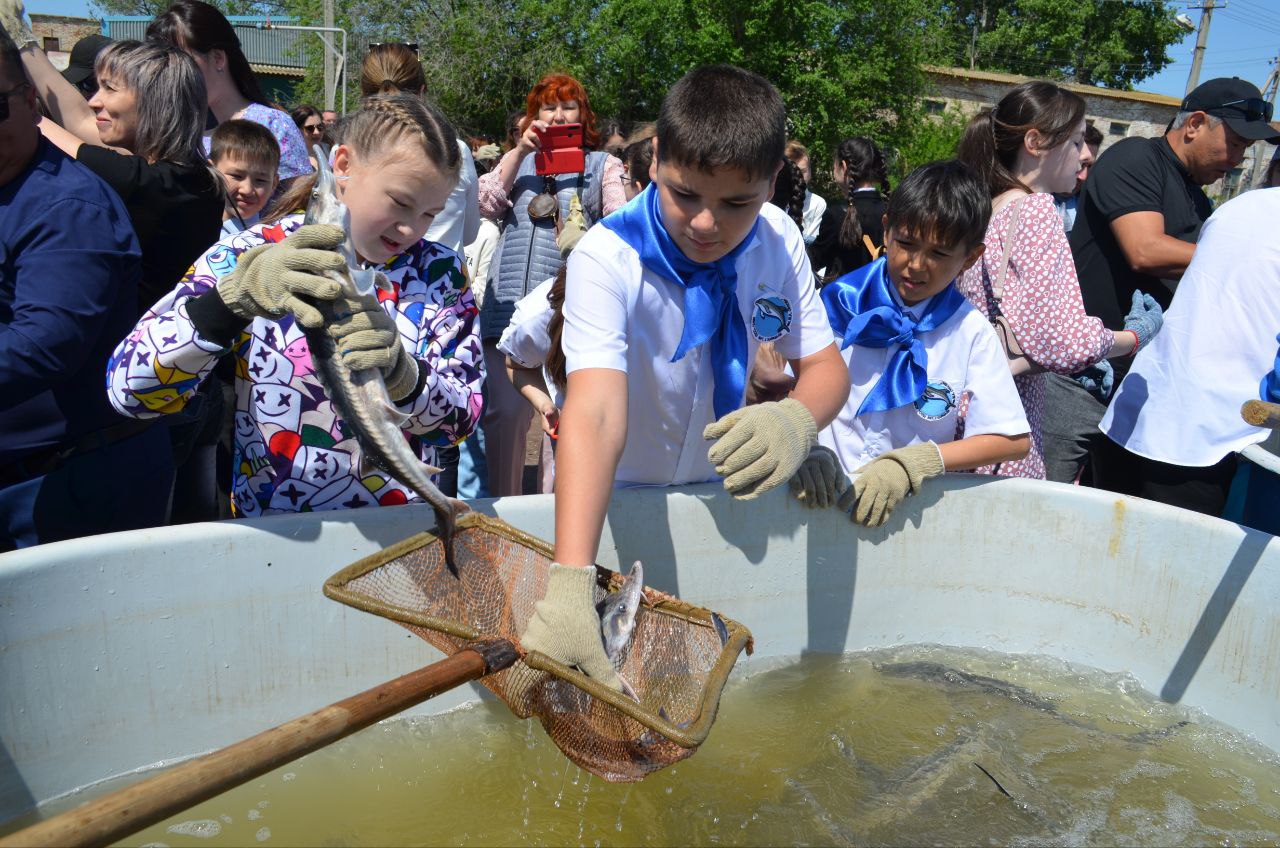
x=1117, y=528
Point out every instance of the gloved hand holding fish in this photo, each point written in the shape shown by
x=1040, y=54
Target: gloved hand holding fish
x=358, y=355
x=568, y=627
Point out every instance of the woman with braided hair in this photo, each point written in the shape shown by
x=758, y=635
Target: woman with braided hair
x=841, y=245
x=789, y=191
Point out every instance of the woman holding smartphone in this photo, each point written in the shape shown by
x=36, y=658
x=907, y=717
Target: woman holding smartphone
x=532, y=208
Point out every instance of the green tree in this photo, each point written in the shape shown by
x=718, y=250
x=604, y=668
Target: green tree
x=1115, y=43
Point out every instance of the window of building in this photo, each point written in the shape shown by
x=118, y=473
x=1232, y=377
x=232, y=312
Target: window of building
x=934, y=107
x=50, y=44
x=1118, y=128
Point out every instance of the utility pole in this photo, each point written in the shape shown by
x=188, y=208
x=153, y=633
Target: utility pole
x=328, y=59
x=1260, y=149
x=1202, y=37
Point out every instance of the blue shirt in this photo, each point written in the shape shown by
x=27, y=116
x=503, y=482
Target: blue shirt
x=69, y=272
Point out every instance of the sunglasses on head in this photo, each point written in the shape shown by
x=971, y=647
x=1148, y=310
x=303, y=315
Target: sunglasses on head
x=412, y=45
x=1254, y=108
x=4, y=100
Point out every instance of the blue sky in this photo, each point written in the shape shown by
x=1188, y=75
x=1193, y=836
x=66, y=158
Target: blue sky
x=1243, y=39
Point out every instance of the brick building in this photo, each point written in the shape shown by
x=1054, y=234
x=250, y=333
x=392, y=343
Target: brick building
x=1117, y=114
x=57, y=34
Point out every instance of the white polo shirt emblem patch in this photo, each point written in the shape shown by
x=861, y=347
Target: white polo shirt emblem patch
x=937, y=401
x=770, y=317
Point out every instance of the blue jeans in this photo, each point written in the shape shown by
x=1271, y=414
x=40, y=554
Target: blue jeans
x=123, y=486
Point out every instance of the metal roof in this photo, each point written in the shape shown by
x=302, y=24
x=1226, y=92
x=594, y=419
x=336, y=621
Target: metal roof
x=1084, y=90
x=269, y=51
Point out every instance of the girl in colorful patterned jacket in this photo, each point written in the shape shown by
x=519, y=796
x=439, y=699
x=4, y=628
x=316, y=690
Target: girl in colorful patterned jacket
x=252, y=294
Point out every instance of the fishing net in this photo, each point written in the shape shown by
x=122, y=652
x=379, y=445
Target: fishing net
x=677, y=662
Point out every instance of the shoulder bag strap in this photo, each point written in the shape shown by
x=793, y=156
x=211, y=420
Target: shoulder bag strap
x=997, y=285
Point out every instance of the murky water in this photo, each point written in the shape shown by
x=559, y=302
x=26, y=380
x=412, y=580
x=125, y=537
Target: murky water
x=886, y=747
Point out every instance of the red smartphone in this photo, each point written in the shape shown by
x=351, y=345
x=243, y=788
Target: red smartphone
x=561, y=151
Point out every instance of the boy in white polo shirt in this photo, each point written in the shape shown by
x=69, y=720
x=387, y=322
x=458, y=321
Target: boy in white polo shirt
x=666, y=303
x=917, y=355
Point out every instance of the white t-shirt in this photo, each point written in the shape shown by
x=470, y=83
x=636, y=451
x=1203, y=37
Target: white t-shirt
x=1180, y=402
x=620, y=316
x=457, y=224
x=811, y=215
x=526, y=340
x=965, y=357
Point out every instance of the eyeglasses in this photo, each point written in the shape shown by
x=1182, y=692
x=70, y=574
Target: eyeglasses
x=4, y=100
x=88, y=85
x=313, y=128
x=412, y=45
x=1254, y=108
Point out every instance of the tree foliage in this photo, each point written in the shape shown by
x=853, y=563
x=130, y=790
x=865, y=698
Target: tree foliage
x=1115, y=43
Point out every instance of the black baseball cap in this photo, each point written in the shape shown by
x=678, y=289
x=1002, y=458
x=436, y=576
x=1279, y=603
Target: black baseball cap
x=83, y=55
x=1238, y=103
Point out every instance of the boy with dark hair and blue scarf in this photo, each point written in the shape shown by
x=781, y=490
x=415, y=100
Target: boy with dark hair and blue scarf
x=666, y=303
x=931, y=390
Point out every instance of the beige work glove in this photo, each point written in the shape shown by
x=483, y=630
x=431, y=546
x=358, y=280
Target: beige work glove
x=760, y=447
x=566, y=627
x=14, y=22
x=268, y=280
x=887, y=479
x=573, y=229
x=820, y=480
x=367, y=338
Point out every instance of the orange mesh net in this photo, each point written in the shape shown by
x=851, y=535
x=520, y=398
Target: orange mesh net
x=677, y=662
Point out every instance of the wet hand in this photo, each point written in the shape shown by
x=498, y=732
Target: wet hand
x=760, y=447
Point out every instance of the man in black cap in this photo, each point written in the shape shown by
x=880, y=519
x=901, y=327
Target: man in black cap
x=1139, y=218
x=79, y=70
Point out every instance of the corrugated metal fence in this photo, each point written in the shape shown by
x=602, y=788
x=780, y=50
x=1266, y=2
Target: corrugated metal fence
x=280, y=48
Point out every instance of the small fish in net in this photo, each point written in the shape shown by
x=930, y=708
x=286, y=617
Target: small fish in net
x=676, y=660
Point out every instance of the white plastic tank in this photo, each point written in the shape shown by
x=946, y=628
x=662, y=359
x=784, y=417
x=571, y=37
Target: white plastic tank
x=119, y=652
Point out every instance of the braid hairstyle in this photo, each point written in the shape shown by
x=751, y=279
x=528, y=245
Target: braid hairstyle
x=383, y=121
x=789, y=191
x=864, y=162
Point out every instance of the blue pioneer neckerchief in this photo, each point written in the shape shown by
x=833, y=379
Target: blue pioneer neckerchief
x=864, y=310
x=711, y=310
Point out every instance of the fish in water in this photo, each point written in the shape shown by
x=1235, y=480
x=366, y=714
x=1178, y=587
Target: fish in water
x=360, y=397
x=938, y=673
x=618, y=620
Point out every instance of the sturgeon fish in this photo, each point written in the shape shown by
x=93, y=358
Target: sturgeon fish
x=360, y=397
x=618, y=620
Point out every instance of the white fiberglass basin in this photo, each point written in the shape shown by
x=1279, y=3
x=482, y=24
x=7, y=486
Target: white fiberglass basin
x=118, y=652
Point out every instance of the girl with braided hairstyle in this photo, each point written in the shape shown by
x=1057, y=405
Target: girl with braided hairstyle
x=249, y=296
x=841, y=245
x=789, y=192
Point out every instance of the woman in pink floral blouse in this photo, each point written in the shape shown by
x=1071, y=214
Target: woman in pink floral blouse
x=1026, y=148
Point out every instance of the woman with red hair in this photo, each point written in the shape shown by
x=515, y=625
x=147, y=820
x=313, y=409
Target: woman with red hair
x=530, y=252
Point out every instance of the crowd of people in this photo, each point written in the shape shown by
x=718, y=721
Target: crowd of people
x=681, y=308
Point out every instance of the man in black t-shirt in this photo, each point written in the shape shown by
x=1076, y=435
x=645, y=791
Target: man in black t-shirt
x=1139, y=217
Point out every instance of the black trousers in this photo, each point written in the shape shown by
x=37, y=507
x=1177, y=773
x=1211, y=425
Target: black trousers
x=1201, y=490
